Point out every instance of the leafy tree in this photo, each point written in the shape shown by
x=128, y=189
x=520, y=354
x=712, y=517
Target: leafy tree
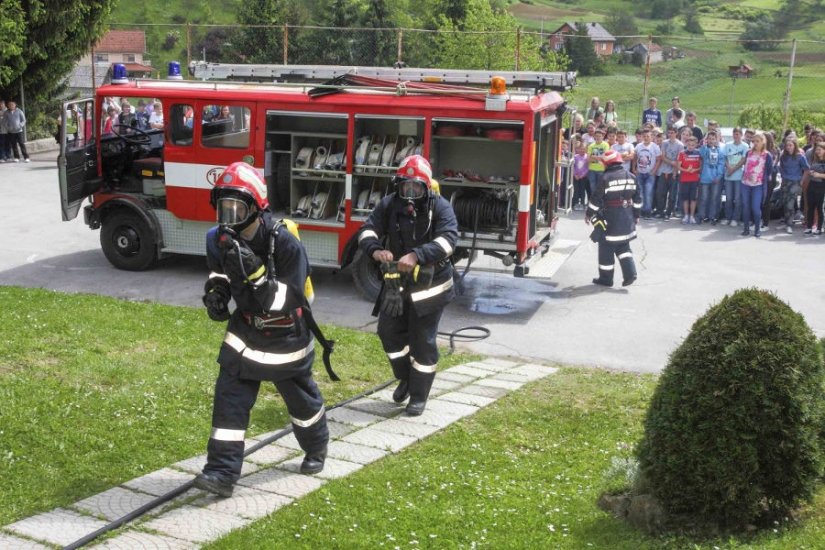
x=758, y=35
x=338, y=46
x=455, y=11
x=661, y=9
x=265, y=44
x=692, y=24
x=579, y=48
x=493, y=48
x=41, y=42
x=379, y=45
x=622, y=25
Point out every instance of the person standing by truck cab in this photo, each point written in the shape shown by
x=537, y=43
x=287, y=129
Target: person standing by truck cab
x=412, y=233
x=261, y=266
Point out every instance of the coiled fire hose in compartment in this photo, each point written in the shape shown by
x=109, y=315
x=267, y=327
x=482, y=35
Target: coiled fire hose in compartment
x=488, y=210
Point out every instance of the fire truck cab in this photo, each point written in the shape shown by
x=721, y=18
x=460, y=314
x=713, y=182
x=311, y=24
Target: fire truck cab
x=327, y=151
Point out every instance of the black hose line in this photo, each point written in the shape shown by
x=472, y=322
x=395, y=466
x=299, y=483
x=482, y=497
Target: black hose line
x=134, y=514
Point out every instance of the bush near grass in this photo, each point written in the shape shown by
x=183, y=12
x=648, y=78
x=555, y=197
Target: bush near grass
x=733, y=435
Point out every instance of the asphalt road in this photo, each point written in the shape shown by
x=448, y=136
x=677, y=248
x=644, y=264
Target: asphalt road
x=562, y=319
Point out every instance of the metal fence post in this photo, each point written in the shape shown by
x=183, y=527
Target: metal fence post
x=286, y=44
x=518, y=46
x=399, y=48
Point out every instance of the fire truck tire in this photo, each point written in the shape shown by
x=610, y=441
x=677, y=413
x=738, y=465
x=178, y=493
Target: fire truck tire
x=127, y=241
x=367, y=276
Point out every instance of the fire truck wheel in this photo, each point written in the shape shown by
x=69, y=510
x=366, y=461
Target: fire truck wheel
x=127, y=241
x=367, y=276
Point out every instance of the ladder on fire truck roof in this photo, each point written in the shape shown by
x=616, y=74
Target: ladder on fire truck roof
x=558, y=81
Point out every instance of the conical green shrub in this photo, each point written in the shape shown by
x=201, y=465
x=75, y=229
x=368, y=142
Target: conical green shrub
x=734, y=433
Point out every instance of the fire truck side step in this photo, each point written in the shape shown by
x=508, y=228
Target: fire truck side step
x=547, y=266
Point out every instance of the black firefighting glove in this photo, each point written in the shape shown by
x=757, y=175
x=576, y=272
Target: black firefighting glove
x=240, y=263
x=216, y=299
x=392, y=301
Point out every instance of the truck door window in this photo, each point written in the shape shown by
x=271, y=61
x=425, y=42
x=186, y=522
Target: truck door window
x=182, y=118
x=225, y=126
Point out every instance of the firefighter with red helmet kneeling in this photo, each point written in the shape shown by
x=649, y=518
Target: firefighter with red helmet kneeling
x=256, y=261
x=412, y=233
x=613, y=211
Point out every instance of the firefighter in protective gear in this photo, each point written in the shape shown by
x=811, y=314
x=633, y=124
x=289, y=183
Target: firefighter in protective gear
x=263, y=267
x=617, y=204
x=412, y=233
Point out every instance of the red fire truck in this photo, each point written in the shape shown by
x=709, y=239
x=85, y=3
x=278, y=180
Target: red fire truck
x=328, y=152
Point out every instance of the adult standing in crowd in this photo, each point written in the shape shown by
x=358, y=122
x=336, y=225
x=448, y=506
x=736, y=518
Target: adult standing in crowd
x=411, y=232
x=757, y=174
x=792, y=166
x=14, y=122
x=616, y=203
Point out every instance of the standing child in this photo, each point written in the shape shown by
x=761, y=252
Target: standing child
x=623, y=148
x=581, y=191
x=652, y=114
x=710, y=179
x=815, y=194
x=735, y=152
x=792, y=166
x=690, y=165
x=595, y=151
x=758, y=168
x=647, y=153
x=667, y=190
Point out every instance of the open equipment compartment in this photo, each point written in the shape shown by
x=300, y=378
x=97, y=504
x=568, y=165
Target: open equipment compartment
x=478, y=166
x=307, y=156
x=381, y=143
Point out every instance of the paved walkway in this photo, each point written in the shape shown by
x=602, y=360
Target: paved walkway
x=361, y=433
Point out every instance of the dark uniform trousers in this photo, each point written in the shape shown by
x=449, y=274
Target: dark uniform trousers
x=413, y=354
x=606, y=262
x=234, y=398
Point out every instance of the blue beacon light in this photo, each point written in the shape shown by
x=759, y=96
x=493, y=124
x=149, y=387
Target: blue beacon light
x=119, y=75
x=174, y=71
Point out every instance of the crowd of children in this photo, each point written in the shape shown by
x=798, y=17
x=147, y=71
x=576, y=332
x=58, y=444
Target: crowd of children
x=684, y=172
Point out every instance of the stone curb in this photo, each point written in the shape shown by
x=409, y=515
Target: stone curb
x=361, y=433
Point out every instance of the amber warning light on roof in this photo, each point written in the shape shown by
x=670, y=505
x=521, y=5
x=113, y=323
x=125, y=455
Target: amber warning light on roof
x=498, y=86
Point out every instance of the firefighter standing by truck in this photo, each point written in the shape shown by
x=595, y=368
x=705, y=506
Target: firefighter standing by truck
x=412, y=233
x=613, y=210
x=263, y=267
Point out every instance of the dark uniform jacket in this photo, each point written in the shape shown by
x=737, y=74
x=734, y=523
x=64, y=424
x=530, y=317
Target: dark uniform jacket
x=432, y=233
x=618, y=200
x=267, y=338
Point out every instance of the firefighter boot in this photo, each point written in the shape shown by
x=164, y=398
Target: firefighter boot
x=421, y=380
x=628, y=267
x=401, y=370
x=402, y=392
x=214, y=484
x=314, y=462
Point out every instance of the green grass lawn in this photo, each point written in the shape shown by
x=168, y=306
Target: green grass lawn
x=524, y=472
x=96, y=391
